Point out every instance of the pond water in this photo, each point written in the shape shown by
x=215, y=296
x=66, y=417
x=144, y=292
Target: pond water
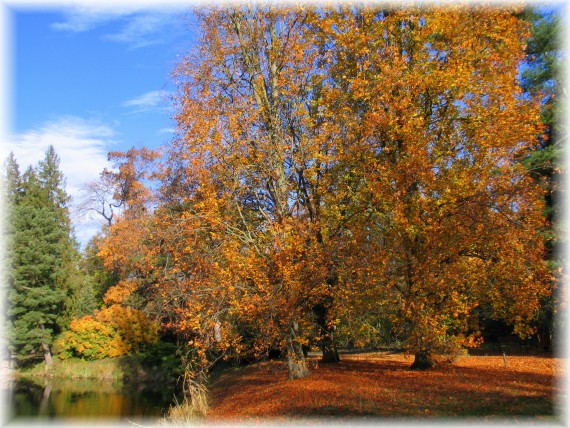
x=48, y=399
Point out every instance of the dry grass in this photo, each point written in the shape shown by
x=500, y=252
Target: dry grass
x=382, y=385
x=191, y=410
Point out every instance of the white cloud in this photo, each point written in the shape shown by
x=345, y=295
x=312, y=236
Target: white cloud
x=82, y=147
x=84, y=18
x=166, y=131
x=145, y=29
x=147, y=100
x=142, y=25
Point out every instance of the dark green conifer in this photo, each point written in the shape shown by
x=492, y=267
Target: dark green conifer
x=42, y=257
x=541, y=78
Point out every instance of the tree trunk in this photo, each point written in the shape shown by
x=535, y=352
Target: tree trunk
x=327, y=343
x=330, y=353
x=47, y=354
x=295, y=358
x=424, y=360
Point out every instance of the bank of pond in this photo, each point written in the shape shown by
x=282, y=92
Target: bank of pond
x=142, y=389
x=131, y=387
x=56, y=398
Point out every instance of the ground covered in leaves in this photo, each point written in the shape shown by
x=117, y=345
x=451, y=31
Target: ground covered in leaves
x=381, y=385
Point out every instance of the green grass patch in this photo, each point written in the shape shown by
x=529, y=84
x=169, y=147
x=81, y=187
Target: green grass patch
x=159, y=363
x=108, y=369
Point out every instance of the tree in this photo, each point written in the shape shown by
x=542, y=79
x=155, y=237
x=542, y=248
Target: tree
x=13, y=181
x=250, y=154
x=123, y=245
x=336, y=158
x=98, y=198
x=41, y=258
x=432, y=126
x=119, y=196
x=99, y=278
x=169, y=264
x=540, y=78
x=115, y=191
x=52, y=182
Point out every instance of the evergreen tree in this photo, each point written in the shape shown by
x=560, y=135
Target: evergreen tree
x=53, y=183
x=97, y=275
x=541, y=78
x=11, y=192
x=13, y=181
x=42, y=257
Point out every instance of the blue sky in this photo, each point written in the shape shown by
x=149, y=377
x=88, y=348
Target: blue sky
x=89, y=80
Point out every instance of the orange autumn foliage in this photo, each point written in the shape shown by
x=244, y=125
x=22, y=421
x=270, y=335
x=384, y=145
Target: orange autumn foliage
x=353, y=158
x=246, y=149
x=119, y=292
x=432, y=128
x=110, y=332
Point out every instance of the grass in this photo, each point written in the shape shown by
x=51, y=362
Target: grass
x=119, y=369
x=107, y=369
x=188, y=412
x=375, y=385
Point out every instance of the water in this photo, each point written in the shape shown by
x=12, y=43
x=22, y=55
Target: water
x=49, y=399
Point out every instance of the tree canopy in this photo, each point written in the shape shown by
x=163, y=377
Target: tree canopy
x=328, y=164
x=329, y=160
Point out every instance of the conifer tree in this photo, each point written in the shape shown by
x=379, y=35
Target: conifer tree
x=13, y=182
x=541, y=78
x=41, y=253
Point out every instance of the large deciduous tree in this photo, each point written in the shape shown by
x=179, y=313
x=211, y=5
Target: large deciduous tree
x=250, y=159
x=433, y=124
x=332, y=158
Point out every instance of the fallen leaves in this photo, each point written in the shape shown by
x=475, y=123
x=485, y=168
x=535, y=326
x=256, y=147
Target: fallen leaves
x=382, y=385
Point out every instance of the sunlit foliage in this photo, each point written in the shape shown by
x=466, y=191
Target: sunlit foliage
x=328, y=163
x=111, y=332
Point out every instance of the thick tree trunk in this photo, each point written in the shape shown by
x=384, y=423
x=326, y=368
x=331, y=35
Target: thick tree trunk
x=327, y=343
x=296, y=361
x=47, y=354
x=295, y=358
x=424, y=360
x=330, y=353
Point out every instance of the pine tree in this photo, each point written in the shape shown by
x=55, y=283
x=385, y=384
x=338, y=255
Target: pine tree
x=13, y=181
x=11, y=191
x=41, y=253
x=541, y=78
x=53, y=184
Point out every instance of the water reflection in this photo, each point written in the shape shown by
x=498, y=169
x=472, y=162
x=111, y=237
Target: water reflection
x=88, y=398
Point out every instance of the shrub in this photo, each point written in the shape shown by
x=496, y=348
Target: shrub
x=111, y=332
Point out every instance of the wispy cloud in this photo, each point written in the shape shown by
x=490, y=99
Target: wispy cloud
x=146, y=29
x=166, y=131
x=83, y=18
x=148, y=100
x=140, y=26
x=82, y=147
